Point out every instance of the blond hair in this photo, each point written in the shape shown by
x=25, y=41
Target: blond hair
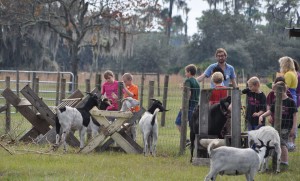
x=253, y=81
x=217, y=77
x=127, y=76
x=286, y=64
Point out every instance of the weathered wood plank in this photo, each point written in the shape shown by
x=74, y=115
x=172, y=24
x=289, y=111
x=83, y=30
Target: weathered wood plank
x=39, y=104
x=25, y=111
x=236, y=118
x=107, y=131
x=94, y=143
x=103, y=113
x=130, y=144
x=3, y=108
x=24, y=102
x=206, y=142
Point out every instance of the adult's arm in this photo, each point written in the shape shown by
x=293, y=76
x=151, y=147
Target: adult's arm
x=200, y=78
x=233, y=82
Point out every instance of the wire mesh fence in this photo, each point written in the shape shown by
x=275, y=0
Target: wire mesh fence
x=169, y=135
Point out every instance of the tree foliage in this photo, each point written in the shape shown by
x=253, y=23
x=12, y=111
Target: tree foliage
x=143, y=36
x=107, y=26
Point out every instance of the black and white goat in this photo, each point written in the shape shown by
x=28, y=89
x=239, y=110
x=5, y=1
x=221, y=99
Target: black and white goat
x=127, y=104
x=71, y=119
x=266, y=133
x=149, y=127
x=217, y=118
x=235, y=161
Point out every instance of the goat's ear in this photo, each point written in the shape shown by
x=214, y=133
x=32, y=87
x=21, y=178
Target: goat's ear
x=89, y=93
x=161, y=108
x=153, y=99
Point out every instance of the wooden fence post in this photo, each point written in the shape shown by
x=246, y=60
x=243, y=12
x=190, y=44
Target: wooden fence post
x=18, y=83
x=142, y=89
x=63, y=84
x=120, y=94
x=87, y=85
x=278, y=109
x=236, y=118
x=151, y=92
x=7, y=113
x=277, y=117
x=158, y=85
x=32, y=79
x=164, y=101
x=184, y=116
x=75, y=82
x=36, y=85
x=57, y=89
x=116, y=76
x=98, y=82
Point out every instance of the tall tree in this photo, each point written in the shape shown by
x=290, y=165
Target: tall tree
x=106, y=25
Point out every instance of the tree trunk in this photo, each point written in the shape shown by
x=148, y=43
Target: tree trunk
x=170, y=20
x=74, y=49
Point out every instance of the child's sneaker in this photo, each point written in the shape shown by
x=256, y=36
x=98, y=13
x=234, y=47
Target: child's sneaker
x=284, y=166
x=291, y=146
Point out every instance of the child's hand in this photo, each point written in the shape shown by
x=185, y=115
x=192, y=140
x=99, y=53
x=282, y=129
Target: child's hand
x=270, y=120
x=245, y=91
x=114, y=95
x=260, y=120
x=255, y=114
x=292, y=133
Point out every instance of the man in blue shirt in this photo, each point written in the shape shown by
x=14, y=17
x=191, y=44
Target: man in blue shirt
x=221, y=56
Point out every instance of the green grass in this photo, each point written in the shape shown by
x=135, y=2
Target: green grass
x=109, y=165
x=113, y=165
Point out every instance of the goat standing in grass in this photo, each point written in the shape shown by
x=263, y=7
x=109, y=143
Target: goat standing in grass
x=69, y=118
x=235, y=161
x=149, y=127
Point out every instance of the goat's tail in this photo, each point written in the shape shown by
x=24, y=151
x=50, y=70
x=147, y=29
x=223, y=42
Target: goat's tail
x=211, y=145
x=154, y=116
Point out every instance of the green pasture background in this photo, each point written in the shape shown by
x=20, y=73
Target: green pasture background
x=34, y=162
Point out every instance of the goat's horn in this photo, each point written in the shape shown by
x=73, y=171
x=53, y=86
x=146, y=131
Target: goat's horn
x=153, y=99
x=261, y=142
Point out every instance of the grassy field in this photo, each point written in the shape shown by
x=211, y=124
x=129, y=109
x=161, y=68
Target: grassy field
x=28, y=164
x=35, y=162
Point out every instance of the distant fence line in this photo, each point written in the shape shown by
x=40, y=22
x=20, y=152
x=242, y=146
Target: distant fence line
x=60, y=92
